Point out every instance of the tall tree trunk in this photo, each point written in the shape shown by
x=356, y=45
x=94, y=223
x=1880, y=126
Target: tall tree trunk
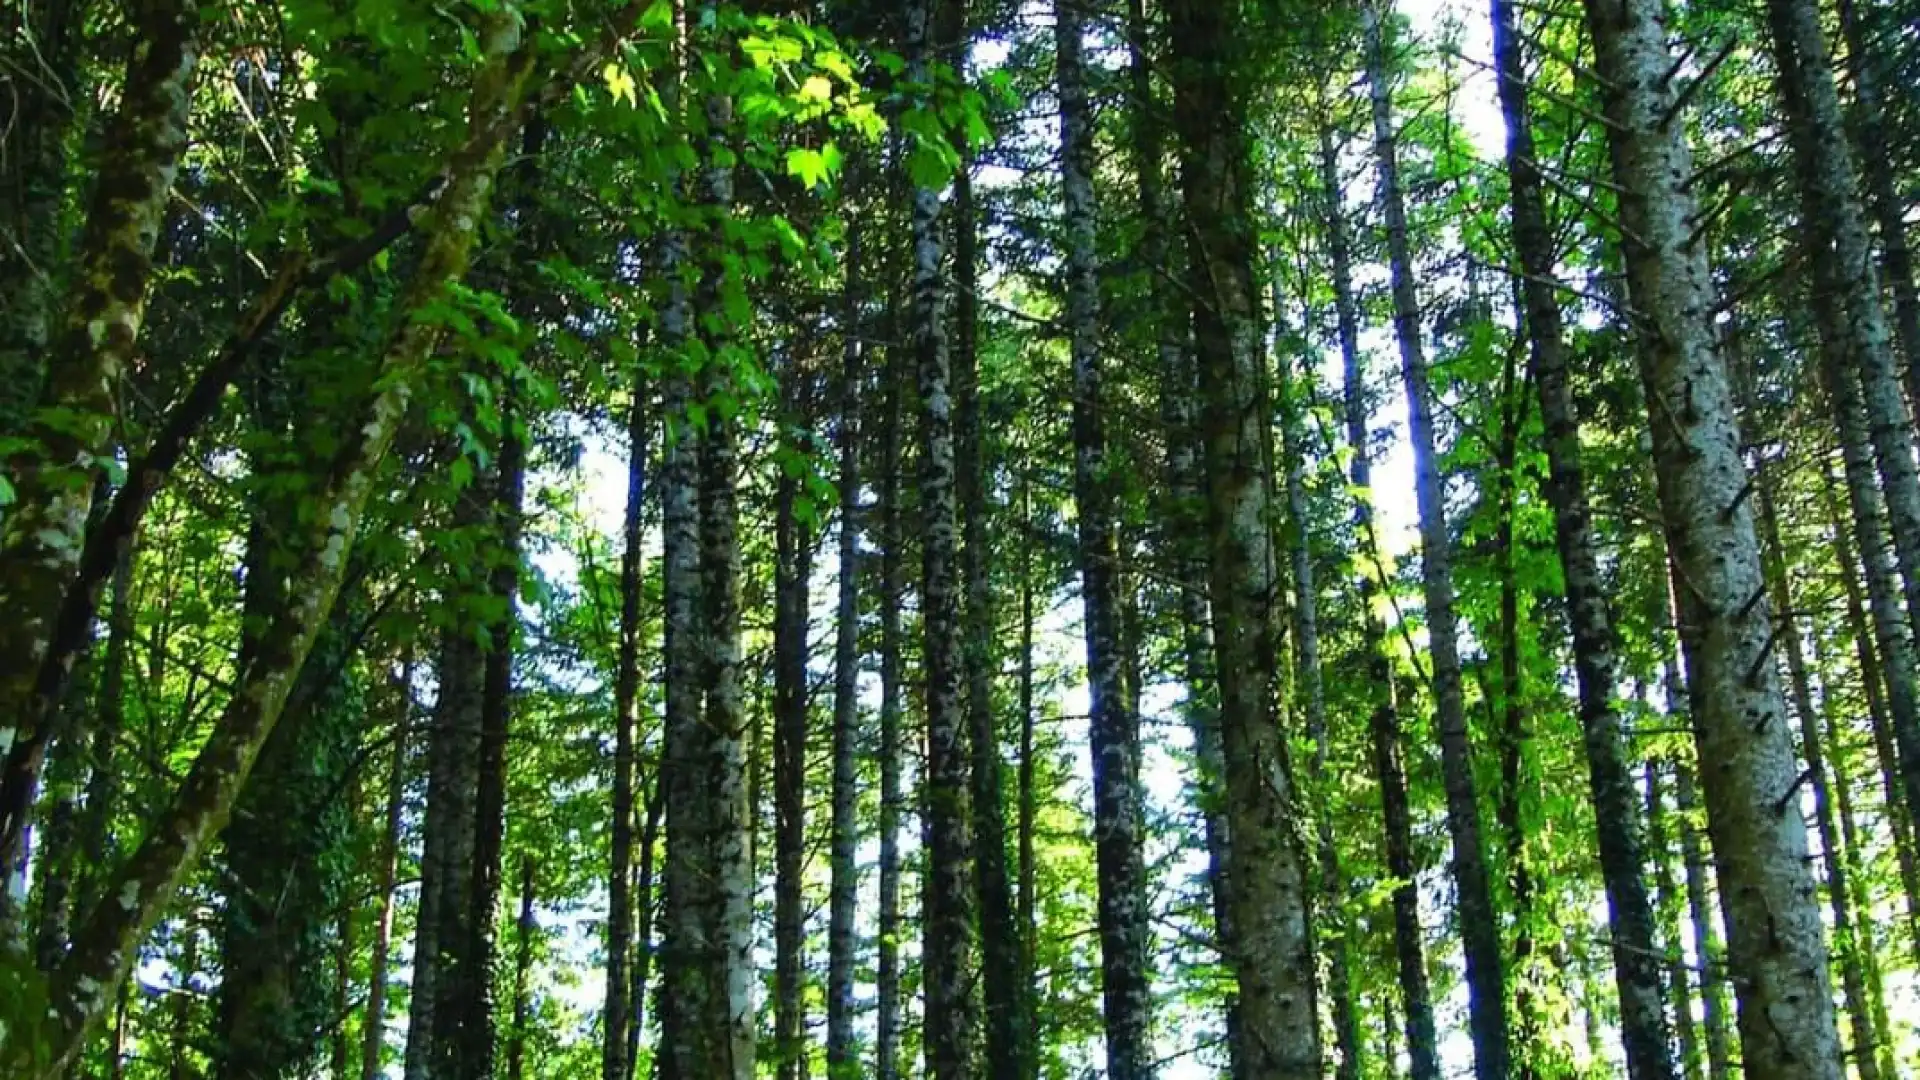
x=1865, y=59
x=1610, y=782
x=1856, y=365
x=373, y=1035
x=1114, y=732
x=1776, y=948
x=1713, y=980
x=1183, y=505
x=887, y=989
x=1875, y=680
x=1336, y=930
x=949, y=897
x=1846, y=300
x=616, y=1015
x=999, y=938
x=1478, y=917
x=643, y=925
x=1028, y=796
x=526, y=927
x=844, y=890
x=1271, y=953
x=1813, y=752
x=468, y=1026
x=1423, y=1046
x=793, y=568
x=1667, y=890
x=44, y=529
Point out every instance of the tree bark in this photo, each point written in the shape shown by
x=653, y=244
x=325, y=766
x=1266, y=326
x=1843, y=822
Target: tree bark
x=1637, y=975
x=887, y=989
x=1854, y=341
x=1478, y=916
x=374, y=1023
x=1776, y=948
x=1679, y=983
x=526, y=927
x=1866, y=1063
x=44, y=529
x=1114, y=731
x=1271, y=953
x=844, y=890
x=793, y=568
x=616, y=1014
x=1183, y=505
x=104, y=948
x=1423, y=1045
x=1865, y=57
x=949, y=896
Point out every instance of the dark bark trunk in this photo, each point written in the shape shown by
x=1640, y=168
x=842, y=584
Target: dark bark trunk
x=892, y=586
x=616, y=1014
x=1635, y=959
x=793, y=568
x=1114, y=738
x=1478, y=916
x=1384, y=723
x=844, y=889
x=526, y=928
x=373, y=1038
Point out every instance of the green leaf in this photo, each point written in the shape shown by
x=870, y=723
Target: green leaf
x=808, y=166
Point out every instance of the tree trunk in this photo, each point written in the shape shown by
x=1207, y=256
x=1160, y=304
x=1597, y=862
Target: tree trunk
x=374, y=1024
x=887, y=989
x=1874, y=680
x=1423, y=1047
x=643, y=929
x=1337, y=929
x=1776, y=948
x=526, y=927
x=44, y=529
x=1271, y=953
x=949, y=895
x=1478, y=917
x=105, y=947
x=1028, y=796
x=1183, y=505
x=1813, y=752
x=844, y=891
x=793, y=568
x=1610, y=782
x=1865, y=57
x=616, y=1015
x=1711, y=957
x=1845, y=296
x=1114, y=732
x=1679, y=986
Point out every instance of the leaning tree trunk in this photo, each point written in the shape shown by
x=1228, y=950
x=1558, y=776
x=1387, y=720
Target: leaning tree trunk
x=1865, y=57
x=1856, y=356
x=948, y=904
x=1853, y=982
x=1847, y=307
x=105, y=947
x=1776, y=949
x=1423, y=1043
x=1636, y=961
x=1272, y=948
x=44, y=527
x=1114, y=734
x=1873, y=680
x=1478, y=918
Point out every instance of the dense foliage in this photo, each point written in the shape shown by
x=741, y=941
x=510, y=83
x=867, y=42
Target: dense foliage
x=568, y=538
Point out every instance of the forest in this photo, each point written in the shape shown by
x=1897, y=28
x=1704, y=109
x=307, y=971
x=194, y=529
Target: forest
x=1014, y=539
